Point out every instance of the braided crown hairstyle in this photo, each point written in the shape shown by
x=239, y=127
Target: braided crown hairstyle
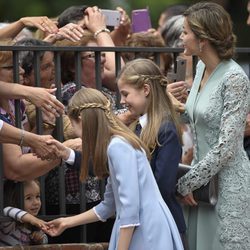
x=210, y=21
x=99, y=124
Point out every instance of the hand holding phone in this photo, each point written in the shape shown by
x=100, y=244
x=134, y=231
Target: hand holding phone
x=180, y=74
x=140, y=20
x=181, y=69
x=113, y=17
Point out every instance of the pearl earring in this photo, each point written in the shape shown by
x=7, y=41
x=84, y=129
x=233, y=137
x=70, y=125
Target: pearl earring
x=200, y=47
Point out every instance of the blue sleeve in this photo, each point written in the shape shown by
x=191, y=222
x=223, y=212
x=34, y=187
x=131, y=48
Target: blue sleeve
x=106, y=208
x=5, y=119
x=124, y=171
x=166, y=158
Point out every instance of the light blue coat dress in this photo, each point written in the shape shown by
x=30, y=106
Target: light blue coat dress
x=133, y=195
x=217, y=115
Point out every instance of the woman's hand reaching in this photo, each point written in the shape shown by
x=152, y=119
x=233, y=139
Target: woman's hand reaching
x=55, y=227
x=41, y=22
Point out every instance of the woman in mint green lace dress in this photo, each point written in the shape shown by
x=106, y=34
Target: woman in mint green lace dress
x=217, y=108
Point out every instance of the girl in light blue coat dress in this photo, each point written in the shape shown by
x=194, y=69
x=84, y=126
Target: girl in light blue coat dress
x=143, y=220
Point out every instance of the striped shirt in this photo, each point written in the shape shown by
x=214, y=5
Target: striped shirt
x=14, y=232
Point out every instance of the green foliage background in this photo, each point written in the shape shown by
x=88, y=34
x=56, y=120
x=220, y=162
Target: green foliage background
x=11, y=10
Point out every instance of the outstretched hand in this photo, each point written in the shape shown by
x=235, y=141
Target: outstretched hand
x=47, y=148
x=70, y=31
x=29, y=218
x=62, y=151
x=55, y=227
x=41, y=22
x=44, y=98
x=75, y=144
x=41, y=149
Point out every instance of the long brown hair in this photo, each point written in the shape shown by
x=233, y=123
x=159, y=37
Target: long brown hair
x=99, y=124
x=143, y=71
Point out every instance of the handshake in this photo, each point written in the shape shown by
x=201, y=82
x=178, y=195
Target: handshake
x=48, y=148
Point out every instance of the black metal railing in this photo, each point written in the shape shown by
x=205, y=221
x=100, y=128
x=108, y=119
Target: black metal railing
x=241, y=53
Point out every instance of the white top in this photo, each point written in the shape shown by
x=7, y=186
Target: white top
x=143, y=120
x=1, y=124
x=14, y=232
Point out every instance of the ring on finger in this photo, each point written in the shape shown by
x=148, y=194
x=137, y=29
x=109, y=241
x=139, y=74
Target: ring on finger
x=50, y=107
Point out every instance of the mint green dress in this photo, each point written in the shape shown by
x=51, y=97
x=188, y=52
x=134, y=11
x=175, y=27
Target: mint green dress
x=217, y=116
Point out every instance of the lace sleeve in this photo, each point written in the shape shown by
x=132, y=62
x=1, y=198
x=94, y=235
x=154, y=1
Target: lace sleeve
x=235, y=93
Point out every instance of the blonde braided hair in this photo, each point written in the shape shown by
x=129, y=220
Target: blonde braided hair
x=161, y=78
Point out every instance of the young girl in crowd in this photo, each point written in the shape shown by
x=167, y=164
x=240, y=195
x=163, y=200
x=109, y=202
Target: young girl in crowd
x=142, y=87
x=143, y=221
x=24, y=229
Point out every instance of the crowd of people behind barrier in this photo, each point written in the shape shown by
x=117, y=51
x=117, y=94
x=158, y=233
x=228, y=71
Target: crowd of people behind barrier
x=199, y=120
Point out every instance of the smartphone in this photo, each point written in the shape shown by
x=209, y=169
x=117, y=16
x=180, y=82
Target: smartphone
x=113, y=17
x=140, y=20
x=180, y=72
x=181, y=65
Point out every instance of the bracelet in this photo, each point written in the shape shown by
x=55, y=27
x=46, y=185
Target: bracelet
x=100, y=31
x=22, y=138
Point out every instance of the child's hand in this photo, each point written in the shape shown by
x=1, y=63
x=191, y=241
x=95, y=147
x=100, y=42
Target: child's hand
x=55, y=227
x=28, y=218
x=37, y=237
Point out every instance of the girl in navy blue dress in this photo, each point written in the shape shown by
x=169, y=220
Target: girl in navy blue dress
x=143, y=90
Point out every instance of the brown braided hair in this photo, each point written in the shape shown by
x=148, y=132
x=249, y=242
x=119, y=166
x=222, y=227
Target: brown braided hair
x=210, y=21
x=99, y=124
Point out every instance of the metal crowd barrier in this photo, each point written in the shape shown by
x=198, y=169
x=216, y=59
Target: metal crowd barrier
x=245, y=52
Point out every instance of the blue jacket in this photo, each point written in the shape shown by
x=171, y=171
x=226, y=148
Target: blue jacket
x=164, y=164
